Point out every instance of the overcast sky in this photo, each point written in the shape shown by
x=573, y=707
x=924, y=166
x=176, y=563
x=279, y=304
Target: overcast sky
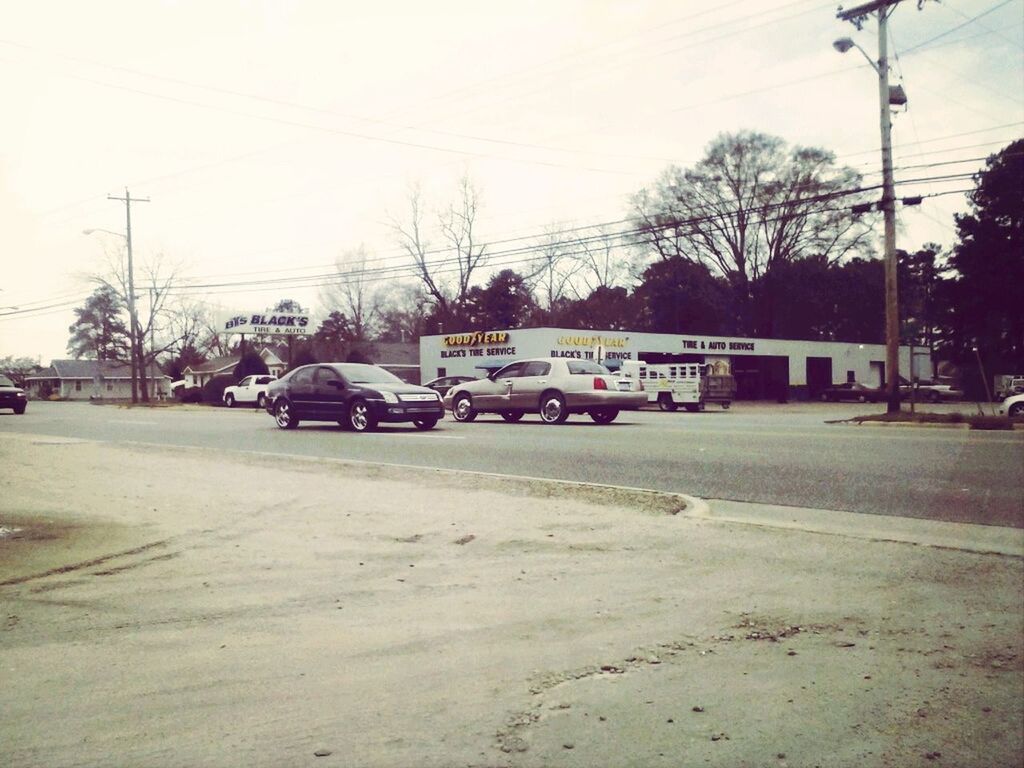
x=271, y=137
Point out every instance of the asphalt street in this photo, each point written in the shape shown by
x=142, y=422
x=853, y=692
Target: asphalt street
x=763, y=453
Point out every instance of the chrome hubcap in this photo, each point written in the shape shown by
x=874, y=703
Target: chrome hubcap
x=462, y=408
x=552, y=410
x=283, y=415
x=359, y=416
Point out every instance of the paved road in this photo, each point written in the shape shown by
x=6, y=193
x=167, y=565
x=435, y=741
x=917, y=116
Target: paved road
x=761, y=453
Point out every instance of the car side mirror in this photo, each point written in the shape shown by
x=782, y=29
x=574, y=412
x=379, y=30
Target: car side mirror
x=491, y=375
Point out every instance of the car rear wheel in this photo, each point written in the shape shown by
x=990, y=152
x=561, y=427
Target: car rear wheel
x=229, y=401
x=261, y=401
x=284, y=416
x=19, y=409
x=666, y=403
x=462, y=408
x=1017, y=409
x=360, y=418
x=604, y=415
x=511, y=416
x=553, y=409
x=425, y=423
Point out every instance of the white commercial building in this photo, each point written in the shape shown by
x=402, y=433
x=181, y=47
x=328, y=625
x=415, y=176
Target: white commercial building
x=763, y=368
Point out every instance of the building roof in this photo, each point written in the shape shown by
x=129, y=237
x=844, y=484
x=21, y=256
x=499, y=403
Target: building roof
x=214, y=364
x=91, y=369
x=395, y=353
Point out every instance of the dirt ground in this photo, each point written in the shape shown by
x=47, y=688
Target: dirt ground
x=171, y=607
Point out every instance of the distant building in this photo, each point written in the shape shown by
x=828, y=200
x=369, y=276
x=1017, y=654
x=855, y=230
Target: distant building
x=93, y=380
x=763, y=368
x=198, y=375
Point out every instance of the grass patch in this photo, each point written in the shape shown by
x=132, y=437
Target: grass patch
x=975, y=421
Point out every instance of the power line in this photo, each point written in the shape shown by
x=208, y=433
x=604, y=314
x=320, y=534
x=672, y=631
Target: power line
x=971, y=20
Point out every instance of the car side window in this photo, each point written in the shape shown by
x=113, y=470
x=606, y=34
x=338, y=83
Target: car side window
x=510, y=371
x=245, y=382
x=537, y=368
x=303, y=377
x=323, y=375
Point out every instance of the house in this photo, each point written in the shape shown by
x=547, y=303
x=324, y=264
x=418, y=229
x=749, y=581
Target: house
x=93, y=380
x=198, y=375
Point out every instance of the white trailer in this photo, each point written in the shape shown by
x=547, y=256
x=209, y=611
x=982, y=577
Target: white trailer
x=690, y=385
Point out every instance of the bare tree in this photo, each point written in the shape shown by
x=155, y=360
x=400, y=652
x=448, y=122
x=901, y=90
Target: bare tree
x=157, y=279
x=554, y=267
x=599, y=263
x=750, y=204
x=461, y=254
x=352, y=294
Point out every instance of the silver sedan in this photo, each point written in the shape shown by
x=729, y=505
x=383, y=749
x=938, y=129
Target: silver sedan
x=549, y=386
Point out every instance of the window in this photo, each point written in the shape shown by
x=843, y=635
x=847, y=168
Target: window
x=324, y=374
x=536, y=368
x=303, y=376
x=510, y=371
x=78, y=386
x=110, y=387
x=851, y=376
x=245, y=382
x=442, y=371
x=585, y=367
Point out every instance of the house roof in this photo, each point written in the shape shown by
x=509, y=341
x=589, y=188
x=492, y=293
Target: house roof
x=214, y=364
x=395, y=353
x=91, y=369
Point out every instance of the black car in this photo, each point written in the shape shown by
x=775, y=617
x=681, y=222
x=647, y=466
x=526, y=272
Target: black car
x=355, y=395
x=442, y=384
x=853, y=390
x=12, y=396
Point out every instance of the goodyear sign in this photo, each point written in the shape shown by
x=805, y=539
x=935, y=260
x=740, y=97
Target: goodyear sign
x=266, y=323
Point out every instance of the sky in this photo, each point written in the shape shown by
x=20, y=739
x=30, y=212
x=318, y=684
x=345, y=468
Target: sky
x=270, y=138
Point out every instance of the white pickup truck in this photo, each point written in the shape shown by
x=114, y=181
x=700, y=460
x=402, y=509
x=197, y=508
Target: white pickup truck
x=251, y=389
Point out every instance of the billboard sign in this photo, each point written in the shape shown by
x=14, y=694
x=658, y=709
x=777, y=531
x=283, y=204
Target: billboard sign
x=266, y=323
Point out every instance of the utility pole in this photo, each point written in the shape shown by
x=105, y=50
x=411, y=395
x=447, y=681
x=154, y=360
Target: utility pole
x=138, y=362
x=857, y=15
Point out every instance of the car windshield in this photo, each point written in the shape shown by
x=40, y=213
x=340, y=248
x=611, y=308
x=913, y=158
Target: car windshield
x=368, y=374
x=5, y=382
x=586, y=367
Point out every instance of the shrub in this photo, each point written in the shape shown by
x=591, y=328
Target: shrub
x=213, y=390
x=189, y=394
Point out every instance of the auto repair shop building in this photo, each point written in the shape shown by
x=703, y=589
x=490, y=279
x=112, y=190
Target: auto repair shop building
x=763, y=368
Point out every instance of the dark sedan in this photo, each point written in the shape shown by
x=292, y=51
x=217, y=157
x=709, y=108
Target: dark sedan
x=853, y=390
x=356, y=396
x=12, y=396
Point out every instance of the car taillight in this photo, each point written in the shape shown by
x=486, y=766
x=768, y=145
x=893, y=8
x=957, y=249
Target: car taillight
x=600, y=383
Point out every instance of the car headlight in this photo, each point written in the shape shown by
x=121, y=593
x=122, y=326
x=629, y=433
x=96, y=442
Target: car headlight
x=389, y=397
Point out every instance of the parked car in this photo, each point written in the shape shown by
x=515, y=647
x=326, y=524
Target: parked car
x=12, y=396
x=853, y=390
x=442, y=384
x=552, y=387
x=1012, y=406
x=929, y=390
x=251, y=389
x=355, y=395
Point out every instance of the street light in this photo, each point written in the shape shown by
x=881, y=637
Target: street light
x=886, y=96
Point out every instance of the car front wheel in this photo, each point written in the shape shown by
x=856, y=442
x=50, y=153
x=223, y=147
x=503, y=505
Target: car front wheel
x=360, y=418
x=1017, y=409
x=462, y=408
x=666, y=403
x=553, y=409
x=425, y=423
x=229, y=401
x=284, y=416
